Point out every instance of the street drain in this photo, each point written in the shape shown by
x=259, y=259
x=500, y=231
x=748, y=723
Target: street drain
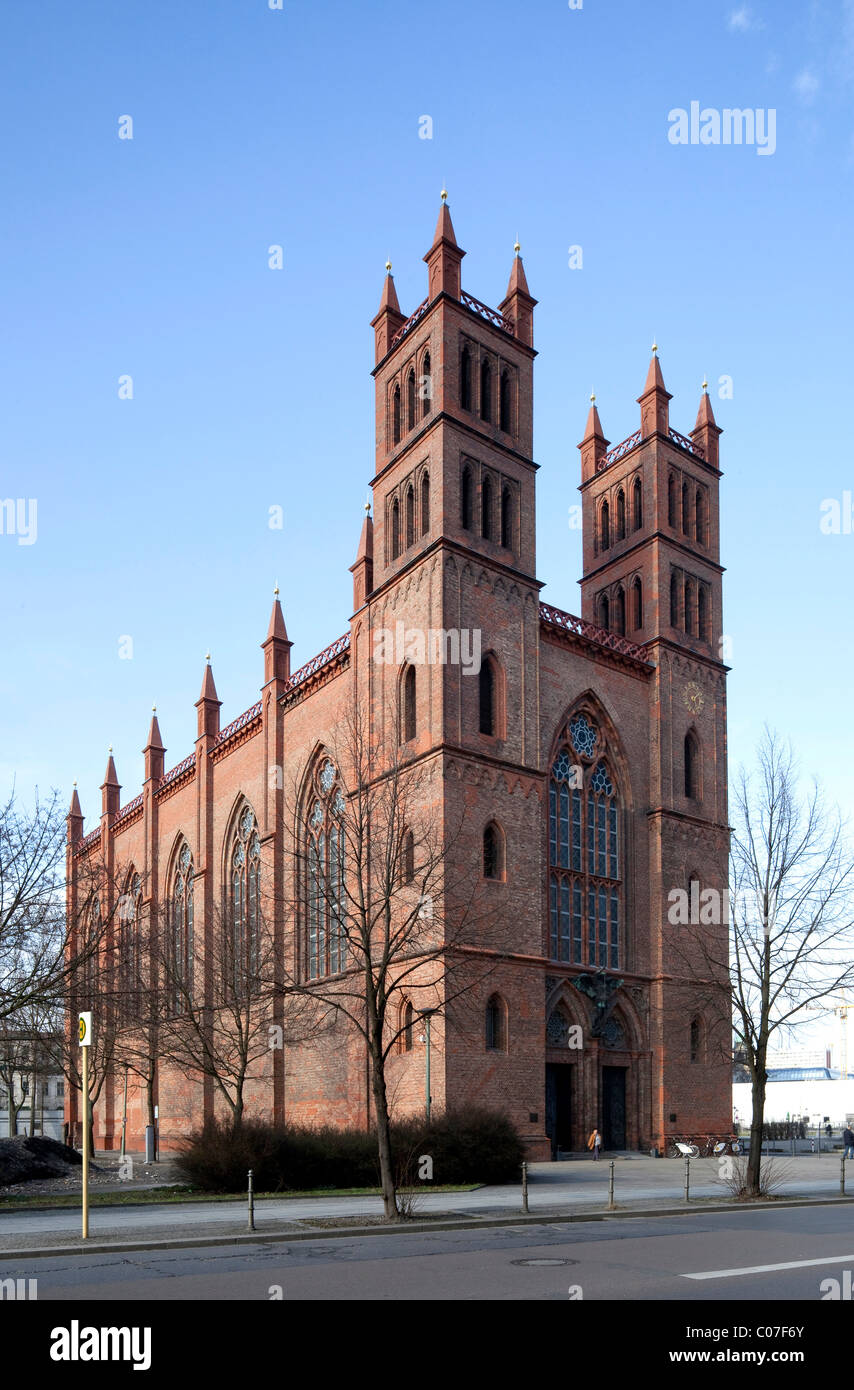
x=544, y=1262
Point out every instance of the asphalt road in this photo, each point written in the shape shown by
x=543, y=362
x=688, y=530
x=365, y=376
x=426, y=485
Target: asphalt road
x=702, y=1258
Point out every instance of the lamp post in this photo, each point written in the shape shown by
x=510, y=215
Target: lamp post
x=427, y=1014
x=125, y=1111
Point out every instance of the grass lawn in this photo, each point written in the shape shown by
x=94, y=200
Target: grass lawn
x=156, y=1196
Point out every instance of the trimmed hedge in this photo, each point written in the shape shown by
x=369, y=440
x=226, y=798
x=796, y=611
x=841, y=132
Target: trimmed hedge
x=468, y=1144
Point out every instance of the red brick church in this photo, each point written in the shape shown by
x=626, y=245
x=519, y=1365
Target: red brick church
x=589, y=753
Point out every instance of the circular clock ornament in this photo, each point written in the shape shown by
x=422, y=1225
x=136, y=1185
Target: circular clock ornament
x=693, y=697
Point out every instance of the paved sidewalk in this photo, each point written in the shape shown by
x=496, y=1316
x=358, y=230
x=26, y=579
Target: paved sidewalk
x=554, y=1189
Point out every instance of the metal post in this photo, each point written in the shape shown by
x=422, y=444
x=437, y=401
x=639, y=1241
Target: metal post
x=842, y=1175
x=524, y=1187
x=125, y=1113
x=687, y=1179
x=427, y=1075
x=251, y=1225
x=85, y=1051
x=818, y=1145
x=611, y=1186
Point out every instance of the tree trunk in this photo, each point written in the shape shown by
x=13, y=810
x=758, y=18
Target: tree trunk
x=32, y=1105
x=754, y=1161
x=383, y=1135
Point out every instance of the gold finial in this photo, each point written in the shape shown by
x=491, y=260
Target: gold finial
x=207, y=656
x=444, y=195
x=110, y=749
x=276, y=592
x=654, y=348
x=153, y=709
x=516, y=247
x=705, y=384
x=368, y=507
x=388, y=267
x=592, y=397
x=75, y=781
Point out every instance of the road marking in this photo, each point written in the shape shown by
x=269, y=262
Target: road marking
x=768, y=1269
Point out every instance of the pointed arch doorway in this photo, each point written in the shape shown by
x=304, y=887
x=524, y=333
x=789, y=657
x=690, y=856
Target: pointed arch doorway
x=614, y=1107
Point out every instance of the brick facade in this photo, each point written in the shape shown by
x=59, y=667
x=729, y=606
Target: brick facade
x=451, y=548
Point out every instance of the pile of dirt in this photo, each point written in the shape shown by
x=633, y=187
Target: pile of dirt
x=23, y=1159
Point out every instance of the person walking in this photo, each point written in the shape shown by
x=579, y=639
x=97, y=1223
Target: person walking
x=595, y=1142
x=848, y=1142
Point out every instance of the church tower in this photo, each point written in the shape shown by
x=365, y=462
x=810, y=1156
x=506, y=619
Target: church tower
x=652, y=574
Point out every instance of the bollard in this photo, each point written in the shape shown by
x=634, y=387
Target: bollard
x=842, y=1175
x=524, y=1187
x=611, y=1205
x=687, y=1179
x=251, y=1224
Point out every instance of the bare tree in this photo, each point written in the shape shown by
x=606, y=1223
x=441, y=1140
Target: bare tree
x=373, y=870
x=791, y=913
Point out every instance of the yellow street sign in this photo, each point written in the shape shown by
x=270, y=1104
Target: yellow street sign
x=84, y=1029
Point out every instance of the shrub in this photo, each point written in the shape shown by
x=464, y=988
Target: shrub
x=466, y=1144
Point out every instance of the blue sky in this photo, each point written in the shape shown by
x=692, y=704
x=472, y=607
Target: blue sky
x=300, y=127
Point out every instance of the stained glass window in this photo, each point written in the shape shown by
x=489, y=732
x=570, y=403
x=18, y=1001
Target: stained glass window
x=180, y=962
x=326, y=945
x=245, y=953
x=585, y=888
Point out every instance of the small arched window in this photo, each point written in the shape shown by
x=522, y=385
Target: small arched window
x=674, y=599
x=686, y=510
x=504, y=406
x=692, y=767
x=702, y=614
x=410, y=515
x=621, y=515
x=395, y=414
x=689, y=607
x=507, y=518
x=604, y=527
x=700, y=517
x=496, y=1025
x=407, y=720
x=637, y=504
x=407, y=1021
x=465, y=499
x=493, y=852
x=395, y=529
x=696, y=1040
x=637, y=604
x=407, y=858
x=620, y=612
x=486, y=510
x=671, y=501
x=426, y=386
x=465, y=379
x=411, y=417
x=486, y=691
x=485, y=391
x=425, y=504
x=604, y=612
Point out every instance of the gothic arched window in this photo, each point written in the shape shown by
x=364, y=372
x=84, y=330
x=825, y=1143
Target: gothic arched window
x=406, y=1023
x=327, y=945
x=604, y=527
x=411, y=417
x=410, y=516
x=486, y=509
x=425, y=504
x=702, y=613
x=465, y=499
x=686, y=510
x=604, y=612
x=692, y=767
x=637, y=504
x=671, y=501
x=674, y=599
x=505, y=418
x=407, y=704
x=395, y=414
x=179, y=975
x=507, y=519
x=495, y=1021
x=129, y=981
x=465, y=379
x=637, y=604
x=485, y=391
x=395, y=529
x=689, y=607
x=621, y=515
x=486, y=692
x=493, y=852
x=244, y=956
x=700, y=517
x=426, y=386
x=696, y=1040
x=585, y=871
x=620, y=612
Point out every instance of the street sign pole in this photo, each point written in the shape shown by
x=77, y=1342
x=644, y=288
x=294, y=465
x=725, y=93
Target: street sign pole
x=84, y=1033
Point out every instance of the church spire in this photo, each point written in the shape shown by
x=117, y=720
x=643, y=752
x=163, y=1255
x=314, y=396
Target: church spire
x=363, y=568
x=518, y=303
x=594, y=445
x=653, y=400
x=707, y=432
x=208, y=705
x=388, y=318
x=276, y=645
x=110, y=789
x=444, y=257
x=154, y=751
x=74, y=819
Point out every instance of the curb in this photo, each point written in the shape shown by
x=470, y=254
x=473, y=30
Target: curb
x=409, y=1228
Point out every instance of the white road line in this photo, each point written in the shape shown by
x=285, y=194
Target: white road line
x=767, y=1269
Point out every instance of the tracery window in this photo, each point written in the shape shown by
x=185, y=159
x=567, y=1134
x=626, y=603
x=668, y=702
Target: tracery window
x=180, y=945
x=426, y=386
x=326, y=946
x=130, y=954
x=425, y=504
x=410, y=400
x=504, y=403
x=585, y=873
x=637, y=504
x=244, y=957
